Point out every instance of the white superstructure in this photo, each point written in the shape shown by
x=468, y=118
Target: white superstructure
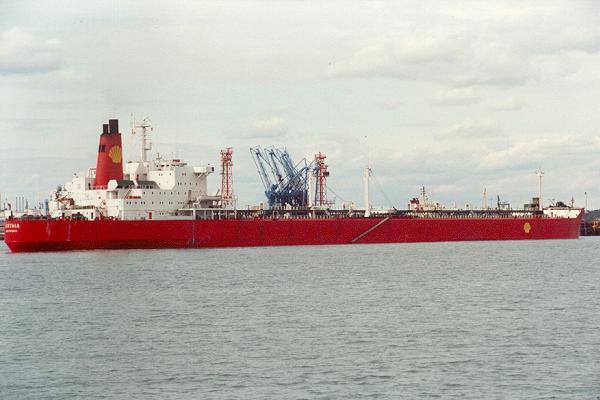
x=562, y=212
x=149, y=190
x=156, y=189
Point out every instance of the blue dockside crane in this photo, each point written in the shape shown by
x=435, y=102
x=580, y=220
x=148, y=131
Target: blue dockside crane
x=286, y=183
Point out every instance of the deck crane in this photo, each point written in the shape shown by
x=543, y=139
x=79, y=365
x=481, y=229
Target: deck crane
x=285, y=182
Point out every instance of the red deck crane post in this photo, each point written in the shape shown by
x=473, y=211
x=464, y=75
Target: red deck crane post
x=322, y=175
x=227, y=177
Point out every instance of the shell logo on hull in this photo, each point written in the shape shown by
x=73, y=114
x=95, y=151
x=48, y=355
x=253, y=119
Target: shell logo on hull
x=115, y=154
x=527, y=227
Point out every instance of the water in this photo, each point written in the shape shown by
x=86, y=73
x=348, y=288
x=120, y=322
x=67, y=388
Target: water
x=494, y=320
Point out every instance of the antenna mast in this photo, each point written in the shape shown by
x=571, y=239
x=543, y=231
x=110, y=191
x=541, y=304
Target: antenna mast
x=484, y=203
x=367, y=174
x=540, y=174
x=146, y=128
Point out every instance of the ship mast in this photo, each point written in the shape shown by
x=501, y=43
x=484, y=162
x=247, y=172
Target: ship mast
x=367, y=174
x=484, y=202
x=540, y=174
x=146, y=128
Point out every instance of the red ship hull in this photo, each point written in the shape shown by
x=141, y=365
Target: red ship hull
x=59, y=235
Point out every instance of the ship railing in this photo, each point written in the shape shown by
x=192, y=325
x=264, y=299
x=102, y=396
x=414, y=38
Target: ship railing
x=227, y=214
x=278, y=214
x=472, y=214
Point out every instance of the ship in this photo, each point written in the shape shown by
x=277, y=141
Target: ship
x=165, y=203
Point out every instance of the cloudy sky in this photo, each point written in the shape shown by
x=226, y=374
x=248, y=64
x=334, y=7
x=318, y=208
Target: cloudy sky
x=456, y=96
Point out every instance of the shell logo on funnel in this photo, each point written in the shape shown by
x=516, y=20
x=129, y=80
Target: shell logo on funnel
x=115, y=154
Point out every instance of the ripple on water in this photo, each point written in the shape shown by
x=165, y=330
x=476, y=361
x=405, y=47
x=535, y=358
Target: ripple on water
x=439, y=320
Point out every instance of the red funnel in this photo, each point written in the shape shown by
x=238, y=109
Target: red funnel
x=110, y=155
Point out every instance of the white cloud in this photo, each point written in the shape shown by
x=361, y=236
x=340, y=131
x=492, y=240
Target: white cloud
x=408, y=58
x=269, y=127
x=24, y=53
x=463, y=59
x=455, y=96
x=388, y=105
x=534, y=151
x=218, y=74
x=449, y=188
x=477, y=45
x=471, y=129
x=509, y=104
x=31, y=179
x=585, y=38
